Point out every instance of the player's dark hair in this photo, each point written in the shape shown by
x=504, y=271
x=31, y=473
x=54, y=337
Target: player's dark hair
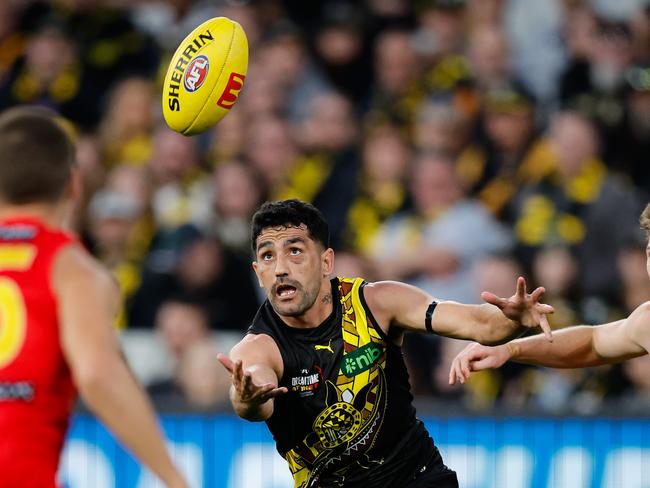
x=36, y=156
x=644, y=220
x=290, y=213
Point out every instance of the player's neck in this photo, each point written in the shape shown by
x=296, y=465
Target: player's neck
x=317, y=314
x=53, y=215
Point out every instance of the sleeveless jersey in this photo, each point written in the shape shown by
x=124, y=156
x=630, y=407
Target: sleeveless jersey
x=36, y=389
x=347, y=420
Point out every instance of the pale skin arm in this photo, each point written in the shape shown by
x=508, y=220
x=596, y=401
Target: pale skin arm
x=88, y=301
x=255, y=364
x=574, y=347
x=404, y=306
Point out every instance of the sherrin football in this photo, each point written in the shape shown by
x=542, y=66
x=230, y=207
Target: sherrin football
x=205, y=76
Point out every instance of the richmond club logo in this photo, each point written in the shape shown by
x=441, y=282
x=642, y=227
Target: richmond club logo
x=195, y=73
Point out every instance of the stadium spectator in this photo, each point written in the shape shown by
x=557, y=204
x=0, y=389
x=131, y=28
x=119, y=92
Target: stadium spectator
x=181, y=324
x=271, y=149
x=181, y=193
x=126, y=131
x=286, y=63
x=12, y=39
x=50, y=73
x=380, y=186
x=326, y=172
x=429, y=246
x=631, y=264
x=627, y=149
x=440, y=127
x=596, y=86
x=489, y=58
x=238, y=191
x=580, y=205
x=113, y=217
x=342, y=49
x=203, y=271
x=204, y=384
x=228, y=137
x=557, y=268
x=508, y=154
x=397, y=89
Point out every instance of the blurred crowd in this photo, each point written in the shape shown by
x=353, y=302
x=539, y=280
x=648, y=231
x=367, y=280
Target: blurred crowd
x=452, y=144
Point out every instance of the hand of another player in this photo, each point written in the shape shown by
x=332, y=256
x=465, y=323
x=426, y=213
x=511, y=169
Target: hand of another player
x=476, y=357
x=524, y=308
x=247, y=391
x=180, y=483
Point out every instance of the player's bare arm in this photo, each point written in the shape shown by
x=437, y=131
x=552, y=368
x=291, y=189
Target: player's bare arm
x=88, y=302
x=256, y=366
x=574, y=347
x=405, y=306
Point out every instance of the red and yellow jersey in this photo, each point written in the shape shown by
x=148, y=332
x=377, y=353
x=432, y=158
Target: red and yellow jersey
x=36, y=389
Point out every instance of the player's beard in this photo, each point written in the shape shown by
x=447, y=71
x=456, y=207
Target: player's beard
x=307, y=298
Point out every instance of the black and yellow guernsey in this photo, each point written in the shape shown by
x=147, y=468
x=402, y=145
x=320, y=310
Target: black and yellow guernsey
x=347, y=420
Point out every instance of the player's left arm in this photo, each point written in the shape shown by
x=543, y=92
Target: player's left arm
x=627, y=339
x=580, y=346
x=396, y=304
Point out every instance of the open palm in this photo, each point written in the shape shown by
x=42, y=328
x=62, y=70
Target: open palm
x=524, y=308
x=245, y=388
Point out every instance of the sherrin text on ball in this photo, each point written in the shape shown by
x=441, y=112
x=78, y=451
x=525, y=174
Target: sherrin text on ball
x=205, y=76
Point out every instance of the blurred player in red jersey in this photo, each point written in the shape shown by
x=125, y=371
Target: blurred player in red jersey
x=57, y=306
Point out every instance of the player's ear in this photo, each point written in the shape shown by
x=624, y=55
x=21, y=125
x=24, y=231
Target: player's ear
x=257, y=273
x=327, y=261
x=75, y=185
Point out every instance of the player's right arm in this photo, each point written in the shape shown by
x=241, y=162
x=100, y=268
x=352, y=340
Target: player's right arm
x=255, y=364
x=88, y=301
x=573, y=347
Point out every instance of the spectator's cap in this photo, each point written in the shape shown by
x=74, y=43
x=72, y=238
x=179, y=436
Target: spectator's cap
x=638, y=78
x=509, y=99
x=110, y=204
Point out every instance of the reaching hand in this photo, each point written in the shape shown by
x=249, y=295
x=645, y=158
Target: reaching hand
x=247, y=391
x=476, y=357
x=523, y=307
x=178, y=483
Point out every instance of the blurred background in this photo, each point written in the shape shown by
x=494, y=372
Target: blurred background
x=452, y=144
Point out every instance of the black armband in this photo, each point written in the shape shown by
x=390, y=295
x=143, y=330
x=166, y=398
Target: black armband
x=427, y=319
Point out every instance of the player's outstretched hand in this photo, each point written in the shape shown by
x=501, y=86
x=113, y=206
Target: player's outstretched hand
x=247, y=391
x=524, y=307
x=476, y=357
x=179, y=483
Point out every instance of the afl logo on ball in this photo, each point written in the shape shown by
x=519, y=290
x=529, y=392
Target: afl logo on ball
x=195, y=73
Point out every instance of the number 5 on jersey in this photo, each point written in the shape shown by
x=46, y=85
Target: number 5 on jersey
x=13, y=320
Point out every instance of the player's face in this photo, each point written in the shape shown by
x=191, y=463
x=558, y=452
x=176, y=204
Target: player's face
x=290, y=266
x=647, y=259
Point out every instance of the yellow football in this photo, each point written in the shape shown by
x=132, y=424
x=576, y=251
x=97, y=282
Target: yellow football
x=205, y=76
